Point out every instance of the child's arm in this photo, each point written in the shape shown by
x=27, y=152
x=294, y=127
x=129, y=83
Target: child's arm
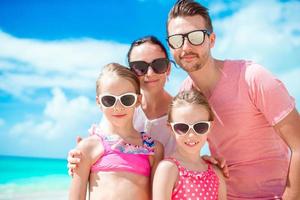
x=91, y=149
x=222, y=186
x=164, y=180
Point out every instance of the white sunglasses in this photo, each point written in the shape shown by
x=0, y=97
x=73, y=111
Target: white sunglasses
x=200, y=127
x=110, y=100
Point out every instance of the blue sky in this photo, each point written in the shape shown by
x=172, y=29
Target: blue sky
x=51, y=52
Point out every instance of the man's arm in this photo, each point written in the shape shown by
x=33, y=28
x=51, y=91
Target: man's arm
x=289, y=131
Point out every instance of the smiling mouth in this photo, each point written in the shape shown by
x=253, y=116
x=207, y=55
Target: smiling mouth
x=151, y=81
x=191, y=144
x=119, y=116
x=188, y=58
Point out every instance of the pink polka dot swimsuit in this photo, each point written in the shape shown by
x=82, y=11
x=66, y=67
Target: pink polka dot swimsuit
x=195, y=185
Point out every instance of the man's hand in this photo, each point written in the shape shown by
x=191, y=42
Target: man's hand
x=220, y=162
x=74, y=158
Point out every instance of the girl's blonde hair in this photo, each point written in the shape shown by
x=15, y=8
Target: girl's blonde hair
x=115, y=69
x=192, y=96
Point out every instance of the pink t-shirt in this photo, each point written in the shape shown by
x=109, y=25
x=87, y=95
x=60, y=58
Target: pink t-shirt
x=247, y=101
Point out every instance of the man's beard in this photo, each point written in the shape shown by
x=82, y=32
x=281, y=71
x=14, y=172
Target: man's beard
x=191, y=67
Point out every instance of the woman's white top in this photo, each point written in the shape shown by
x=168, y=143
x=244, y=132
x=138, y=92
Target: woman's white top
x=157, y=128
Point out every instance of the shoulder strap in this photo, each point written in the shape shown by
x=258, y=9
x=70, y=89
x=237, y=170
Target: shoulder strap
x=147, y=140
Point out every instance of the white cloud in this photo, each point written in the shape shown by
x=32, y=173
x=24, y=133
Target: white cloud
x=218, y=7
x=28, y=64
x=265, y=31
x=61, y=119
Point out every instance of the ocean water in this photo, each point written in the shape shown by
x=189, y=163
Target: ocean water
x=33, y=178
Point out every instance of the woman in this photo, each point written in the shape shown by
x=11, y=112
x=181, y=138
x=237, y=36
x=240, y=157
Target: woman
x=148, y=58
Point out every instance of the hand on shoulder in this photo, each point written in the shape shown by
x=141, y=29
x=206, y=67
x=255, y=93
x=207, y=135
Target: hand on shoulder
x=91, y=148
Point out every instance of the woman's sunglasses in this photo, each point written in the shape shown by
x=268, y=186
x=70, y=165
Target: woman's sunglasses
x=159, y=66
x=181, y=128
x=109, y=100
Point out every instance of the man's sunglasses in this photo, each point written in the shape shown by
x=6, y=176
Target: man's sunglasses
x=181, y=128
x=194, y=37
x=140, y=68
x=109, y=100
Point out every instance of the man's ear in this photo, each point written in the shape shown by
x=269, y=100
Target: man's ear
x=212, y=39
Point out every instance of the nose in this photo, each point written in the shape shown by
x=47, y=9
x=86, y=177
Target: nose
x=186, y=44
x=191, y=132
x=118, y=106
x=150, y=71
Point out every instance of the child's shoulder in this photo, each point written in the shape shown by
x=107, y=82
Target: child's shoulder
x=91, y=146
x=168, y=165
x=90, y=141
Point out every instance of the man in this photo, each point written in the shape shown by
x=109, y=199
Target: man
x=257, y=128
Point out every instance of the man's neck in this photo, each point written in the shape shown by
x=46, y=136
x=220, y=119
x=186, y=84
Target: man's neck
x=207, y=77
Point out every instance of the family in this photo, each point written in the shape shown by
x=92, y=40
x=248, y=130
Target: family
x=148, y=144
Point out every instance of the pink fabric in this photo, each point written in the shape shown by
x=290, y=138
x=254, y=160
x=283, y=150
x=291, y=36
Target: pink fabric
x=247, y=102
x=114, y=159
x=195, y=185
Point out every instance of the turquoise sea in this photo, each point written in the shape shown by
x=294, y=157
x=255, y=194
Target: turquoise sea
x=33, y=178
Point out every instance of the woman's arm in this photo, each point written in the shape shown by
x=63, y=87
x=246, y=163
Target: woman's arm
x=74, y=156
x=90, y=149
x=164, y=180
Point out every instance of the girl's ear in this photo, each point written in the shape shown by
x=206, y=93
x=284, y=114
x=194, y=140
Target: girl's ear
x=98, y=103
x=169, y=126
x=138, y=101
x=212, y=124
